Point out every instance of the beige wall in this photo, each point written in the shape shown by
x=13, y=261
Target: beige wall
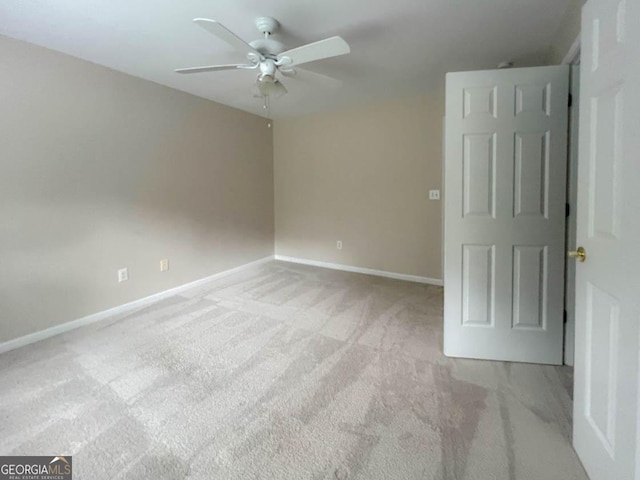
x=100, y=170
x=567, y=33
x=362, y=175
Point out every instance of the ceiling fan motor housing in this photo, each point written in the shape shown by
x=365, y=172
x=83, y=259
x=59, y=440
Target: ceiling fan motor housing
x=267, y=68
x=267, y=25
x=267, y=46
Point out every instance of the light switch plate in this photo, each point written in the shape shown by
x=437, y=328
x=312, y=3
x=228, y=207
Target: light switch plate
x=434, y=194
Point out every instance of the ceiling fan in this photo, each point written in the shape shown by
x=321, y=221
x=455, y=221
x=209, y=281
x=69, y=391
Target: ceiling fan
x=270, y=57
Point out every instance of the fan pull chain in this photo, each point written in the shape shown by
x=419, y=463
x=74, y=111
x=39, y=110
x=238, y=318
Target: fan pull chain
x=267, y=107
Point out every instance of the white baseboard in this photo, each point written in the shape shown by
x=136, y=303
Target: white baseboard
x=367, y=271
x=96, y=317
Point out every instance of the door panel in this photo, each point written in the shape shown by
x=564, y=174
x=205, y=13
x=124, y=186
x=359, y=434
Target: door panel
x=601, y=379
x=478, y=288
x=604, y=167
x=505, y=179
x=480, y=103
x=533, y=99
x=529, y=287
x=531, y=181
x=479, y=153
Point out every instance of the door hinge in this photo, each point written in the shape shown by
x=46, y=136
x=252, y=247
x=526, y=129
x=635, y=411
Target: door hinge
x=570, y=100
x=564, y=316
x=567, y=209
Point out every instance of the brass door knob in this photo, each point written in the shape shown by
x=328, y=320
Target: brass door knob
x=580, y=254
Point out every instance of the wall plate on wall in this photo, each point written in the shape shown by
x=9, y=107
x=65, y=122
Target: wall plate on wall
x=123, y=275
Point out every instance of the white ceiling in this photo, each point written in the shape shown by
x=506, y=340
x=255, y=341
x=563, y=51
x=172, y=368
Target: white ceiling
x=398, y=47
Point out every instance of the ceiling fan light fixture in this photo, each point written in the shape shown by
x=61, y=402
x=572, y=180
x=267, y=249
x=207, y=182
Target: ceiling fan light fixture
x=266, y=78
x=269, y=86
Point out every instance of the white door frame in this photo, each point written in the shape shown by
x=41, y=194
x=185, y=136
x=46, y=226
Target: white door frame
x=573, y=60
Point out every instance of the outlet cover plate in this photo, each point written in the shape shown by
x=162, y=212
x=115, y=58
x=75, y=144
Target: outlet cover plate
x=123, y=275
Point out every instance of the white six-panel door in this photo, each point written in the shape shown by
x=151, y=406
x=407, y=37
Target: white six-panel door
x=608, y=282
x=505, y=185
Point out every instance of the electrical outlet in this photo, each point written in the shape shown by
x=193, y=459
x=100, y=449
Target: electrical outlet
x=339, y=244
x=164, y=264
x=123, y=275
x=434, y=194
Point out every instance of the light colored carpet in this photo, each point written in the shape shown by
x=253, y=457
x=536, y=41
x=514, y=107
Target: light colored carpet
x=284, y=372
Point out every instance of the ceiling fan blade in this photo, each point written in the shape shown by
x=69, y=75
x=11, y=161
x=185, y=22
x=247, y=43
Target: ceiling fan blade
x=214, y=68
x=223, y=33
x=312, y=77
x=290, y=73
x=330, y=47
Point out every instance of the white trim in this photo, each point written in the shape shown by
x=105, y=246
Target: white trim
x=574, y=52
x=96, y=317
x=366, y=271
